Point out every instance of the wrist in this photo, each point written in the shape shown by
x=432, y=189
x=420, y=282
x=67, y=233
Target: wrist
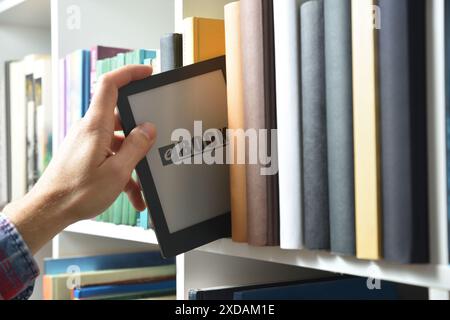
x=38, y=217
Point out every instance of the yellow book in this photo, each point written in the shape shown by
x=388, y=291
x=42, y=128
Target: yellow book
x=366, y=141
x=203, y=39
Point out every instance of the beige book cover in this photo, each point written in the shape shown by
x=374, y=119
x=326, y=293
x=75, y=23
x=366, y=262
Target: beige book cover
x=366, y=131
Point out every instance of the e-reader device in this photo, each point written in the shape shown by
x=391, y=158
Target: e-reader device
x=187, y=193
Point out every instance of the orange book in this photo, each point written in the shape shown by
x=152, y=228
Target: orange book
x=47, y=287
x=203, y=39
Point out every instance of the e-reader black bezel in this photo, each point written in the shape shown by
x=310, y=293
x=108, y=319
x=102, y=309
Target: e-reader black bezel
x=199, y=234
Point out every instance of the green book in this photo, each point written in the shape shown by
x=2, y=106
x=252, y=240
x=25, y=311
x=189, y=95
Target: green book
x=117, y=212
x=132, y=214
x=120, y=58
x=124, y=207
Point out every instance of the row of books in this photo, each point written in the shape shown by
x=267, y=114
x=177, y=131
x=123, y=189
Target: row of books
x=27, y=131
x=349, y=102
x=80, y=72
x=122, y=212
x=128, y=276
x=331, y=288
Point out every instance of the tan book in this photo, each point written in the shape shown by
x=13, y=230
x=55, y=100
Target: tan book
x=258, y=63
x=235, y=120
x=203, y=39
x=366, y=131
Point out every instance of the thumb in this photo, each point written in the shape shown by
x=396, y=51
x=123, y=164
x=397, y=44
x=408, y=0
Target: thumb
x=136, y=146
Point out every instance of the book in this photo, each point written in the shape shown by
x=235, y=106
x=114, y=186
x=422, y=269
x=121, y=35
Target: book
x=403, y=125
x=227, y=292
x=203, y=39
x=164, y=286
x=436, y=124
x=59, y=286
x=258, y=66
x=100, y=53
x=42, y=78
x=30, y=103
x=235, y=98
x=171, y=51
x=287, y=67
x=106, y=262
x=366, y=130
x=447, y=111
x=338, y=289
x=77, y=86
x=163, y=294
x=315, y=172
x=18, y=118
x=5, y=147
x=339, y=109
x=60, y=113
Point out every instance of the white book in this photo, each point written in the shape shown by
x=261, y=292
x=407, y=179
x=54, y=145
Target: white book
x=437, y=176
x=287, y=65
x=18, y=131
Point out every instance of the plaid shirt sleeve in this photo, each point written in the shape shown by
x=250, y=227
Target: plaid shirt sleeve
x=18, y=269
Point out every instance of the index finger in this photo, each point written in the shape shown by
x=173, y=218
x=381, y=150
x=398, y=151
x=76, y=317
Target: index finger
x=105, y=97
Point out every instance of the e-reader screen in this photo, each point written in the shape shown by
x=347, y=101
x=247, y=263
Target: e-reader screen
x=192, y=191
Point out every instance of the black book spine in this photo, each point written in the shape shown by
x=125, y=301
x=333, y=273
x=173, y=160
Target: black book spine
x=171, y=51
x=315, y=175
x=404, y=130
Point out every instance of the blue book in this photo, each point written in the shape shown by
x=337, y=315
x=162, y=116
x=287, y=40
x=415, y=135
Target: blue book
x=86, y=94
x=122, y=289
x=106, y=262
x=345, y=289
x=143, y=219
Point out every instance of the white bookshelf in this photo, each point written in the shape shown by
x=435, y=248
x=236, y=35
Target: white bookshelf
x=139, y=24
x=109, y=230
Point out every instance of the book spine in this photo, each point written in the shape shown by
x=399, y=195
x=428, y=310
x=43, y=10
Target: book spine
x=436, y=122
x=94, y=59
x=287, y=66
x=262, y=218
x=7, y=117
x=403, y=130
x=365, y=128
x=339, y=109
x=171, y=51
x=86, y=76
x=447, y=116
x=315, y=175
x=235, y=120
x=189, y=41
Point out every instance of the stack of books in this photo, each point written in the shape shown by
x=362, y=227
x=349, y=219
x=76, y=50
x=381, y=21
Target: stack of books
x=141, y=275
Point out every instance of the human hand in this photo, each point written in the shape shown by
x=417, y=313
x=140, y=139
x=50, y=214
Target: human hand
x=92, y=167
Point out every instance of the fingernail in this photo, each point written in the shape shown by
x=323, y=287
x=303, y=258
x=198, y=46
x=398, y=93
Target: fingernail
x=149, y=130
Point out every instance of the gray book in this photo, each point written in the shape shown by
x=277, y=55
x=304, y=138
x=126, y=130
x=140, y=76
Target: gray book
x=315, y=175
x=171, y=51
x=404, y=130
x=339, y=102
x=5, y=143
